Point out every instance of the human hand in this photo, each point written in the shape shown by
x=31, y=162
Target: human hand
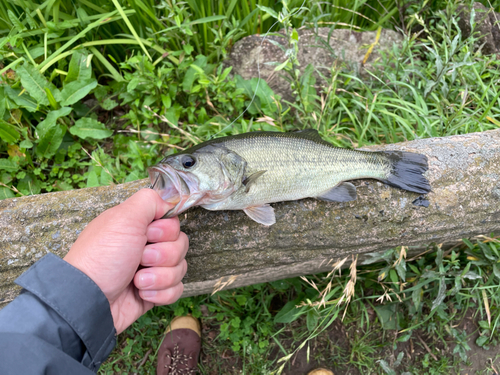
x=113, y=245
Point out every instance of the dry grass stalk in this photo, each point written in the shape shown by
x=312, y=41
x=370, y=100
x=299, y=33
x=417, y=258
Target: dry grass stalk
x=349, y=288
x=100, y=165
x=221, y=284
x=402, y=255
x=192, y=138
x=486, y=306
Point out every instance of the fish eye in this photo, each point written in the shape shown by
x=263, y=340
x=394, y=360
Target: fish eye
x=188, y=161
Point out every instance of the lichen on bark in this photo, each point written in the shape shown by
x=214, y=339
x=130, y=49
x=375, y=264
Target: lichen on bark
x=464, y=202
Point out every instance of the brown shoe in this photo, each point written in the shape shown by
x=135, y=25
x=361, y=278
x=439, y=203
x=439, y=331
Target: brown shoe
x=180, y=349
x=320, y=371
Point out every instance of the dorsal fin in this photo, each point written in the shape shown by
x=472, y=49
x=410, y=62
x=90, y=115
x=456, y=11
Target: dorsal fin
x=309, y=134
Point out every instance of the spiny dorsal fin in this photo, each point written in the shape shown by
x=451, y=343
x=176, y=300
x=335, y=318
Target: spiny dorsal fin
x=309, y=134
x=251, y=179
x=261, y=214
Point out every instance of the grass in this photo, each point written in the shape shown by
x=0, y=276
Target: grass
x=100, y=63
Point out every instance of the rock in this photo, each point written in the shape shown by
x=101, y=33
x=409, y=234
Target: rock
x=487, y=27
x=321, y=48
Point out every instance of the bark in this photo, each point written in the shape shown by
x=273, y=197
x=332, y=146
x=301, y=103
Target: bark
x=230, y=249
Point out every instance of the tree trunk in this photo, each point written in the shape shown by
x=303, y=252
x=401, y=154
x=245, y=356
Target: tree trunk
x=227, y=248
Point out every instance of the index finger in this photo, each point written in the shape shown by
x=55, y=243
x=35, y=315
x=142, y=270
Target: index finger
x=163, y=230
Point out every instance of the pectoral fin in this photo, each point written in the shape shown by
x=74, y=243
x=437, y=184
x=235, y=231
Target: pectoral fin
x=261, y=214
x=343, y=192
x=251, y=179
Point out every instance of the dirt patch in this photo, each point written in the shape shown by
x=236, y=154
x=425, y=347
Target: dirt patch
x=347, y=350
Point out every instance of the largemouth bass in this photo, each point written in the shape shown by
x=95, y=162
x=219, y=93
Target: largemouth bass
x=249, y=171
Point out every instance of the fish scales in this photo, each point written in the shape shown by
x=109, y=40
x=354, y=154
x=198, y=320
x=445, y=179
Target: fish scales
x=249, y=171
x=297, y=168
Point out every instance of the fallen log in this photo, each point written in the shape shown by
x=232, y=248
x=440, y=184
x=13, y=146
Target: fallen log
x=230, y=250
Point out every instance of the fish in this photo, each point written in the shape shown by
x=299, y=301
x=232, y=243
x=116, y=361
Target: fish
x=251, y=170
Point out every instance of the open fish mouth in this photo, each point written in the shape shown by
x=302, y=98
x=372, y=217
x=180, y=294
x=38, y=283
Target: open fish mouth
x=173, y=188
x=169, y=186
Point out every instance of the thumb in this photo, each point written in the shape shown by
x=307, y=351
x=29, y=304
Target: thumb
x=148, y=203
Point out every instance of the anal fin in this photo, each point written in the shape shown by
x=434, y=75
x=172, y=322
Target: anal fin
x=343, y=192
x=261, y=214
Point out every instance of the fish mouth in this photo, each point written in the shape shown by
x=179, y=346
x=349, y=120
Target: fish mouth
x=177, y=190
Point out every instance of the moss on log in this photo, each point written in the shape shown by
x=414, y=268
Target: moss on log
x=229, y=248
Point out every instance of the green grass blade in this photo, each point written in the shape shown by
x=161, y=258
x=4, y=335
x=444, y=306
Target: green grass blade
x=207, y=19
x=109, y=17
x=131, y=28
x=92, y=6
x=114, y=73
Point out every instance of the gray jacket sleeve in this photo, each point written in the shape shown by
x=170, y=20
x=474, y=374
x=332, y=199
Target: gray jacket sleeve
x=61, y=323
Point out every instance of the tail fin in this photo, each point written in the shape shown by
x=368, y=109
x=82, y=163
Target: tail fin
x=407, y=171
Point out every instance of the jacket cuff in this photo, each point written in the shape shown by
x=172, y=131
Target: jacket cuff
x=78, y=300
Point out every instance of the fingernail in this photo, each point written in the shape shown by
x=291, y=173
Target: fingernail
x=148, y=293
x=154, y=234
x=150, y=256
x=146, y=279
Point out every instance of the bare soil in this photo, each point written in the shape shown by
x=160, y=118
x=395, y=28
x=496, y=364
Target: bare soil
x=334, y=349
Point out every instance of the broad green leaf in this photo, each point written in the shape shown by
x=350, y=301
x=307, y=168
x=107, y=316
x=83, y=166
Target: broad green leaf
x=29, y=185
x=132, y=84
x=49, y=143
x=312, y=320
x=439, y=257
x=8, y=165
x=441, y=294
x=50, y=120
x=18, y=25
x=263, y=101
x=468, y=243
x=6, y=193
x=22, y=100
x=90, y=128
x=35, y=83
x=105, y=179
x=225, y=74
x=496, y=271
x=3, y=102
x=288, y=313
x=8, y=133
x=26, y=144
x=77, y=90
x=471, y=275
x=92, y=180
x=196, y=68
x=387, y=316
x=480, y=341
x=36, y=52
x=401, y=269
x=31, y=21
x=132, y=177
x=268, y=10
x=385, y=366
x=109, y=104
x=80, y=68
x=188, y=48
x=416, y=297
